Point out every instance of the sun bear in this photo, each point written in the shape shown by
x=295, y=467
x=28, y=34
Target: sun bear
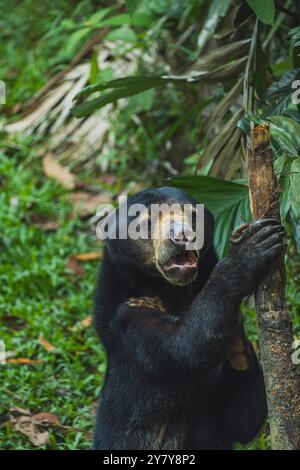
x=181, y=373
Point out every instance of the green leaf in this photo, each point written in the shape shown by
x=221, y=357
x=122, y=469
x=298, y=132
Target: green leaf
x=123, y=88
x=98, y=16
x=94, y=68
x=215, y=193
x=264, y=10
x=295, y=200
x=106, y=74
x=279, y=95
x=227, y=200
x=224, y=222
x=117, y=20
x=133, y=5
x=92, y=105
x=125, y=33
x=142, y=19
x=134, y=85
x=213, y=67
x=294, y=114
x=126, y=83
x=285, y=136
x=282, y=166
x=244, y=125
x=75, y=40
x=141, y=102
x=295, y=35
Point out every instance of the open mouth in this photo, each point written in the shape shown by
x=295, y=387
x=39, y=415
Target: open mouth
x=185, y=260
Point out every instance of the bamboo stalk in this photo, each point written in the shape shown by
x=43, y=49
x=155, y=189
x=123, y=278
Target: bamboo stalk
x=274, y=322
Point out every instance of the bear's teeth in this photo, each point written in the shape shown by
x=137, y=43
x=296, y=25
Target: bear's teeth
x=188, y=258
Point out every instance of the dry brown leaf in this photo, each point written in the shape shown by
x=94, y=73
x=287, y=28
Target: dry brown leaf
x=94, y=408
x=23, y=360
x=86, y=204
x=14, y=322
x=17, y=410
x=48, y=346
x=85, y=323
x=88, y=256
x=47, y=419
x=108, y=179
x=22, y=421
x=49, y=225
x=44, y=223
x=30, y=424
x=74, y=266
x=55, y=170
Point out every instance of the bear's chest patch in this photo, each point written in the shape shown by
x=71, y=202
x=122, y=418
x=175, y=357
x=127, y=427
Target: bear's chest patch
x=147, y=302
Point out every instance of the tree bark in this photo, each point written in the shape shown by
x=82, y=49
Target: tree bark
x=274, y=322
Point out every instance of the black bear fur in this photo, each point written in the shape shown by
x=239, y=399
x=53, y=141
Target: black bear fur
x=169, y=383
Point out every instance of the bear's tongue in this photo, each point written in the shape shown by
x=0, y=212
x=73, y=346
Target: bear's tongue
x=185, y=259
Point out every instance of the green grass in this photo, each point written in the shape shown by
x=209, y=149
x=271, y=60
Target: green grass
x=45, y=299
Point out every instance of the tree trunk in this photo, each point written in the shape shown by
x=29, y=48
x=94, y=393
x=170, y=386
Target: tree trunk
x=274, y=322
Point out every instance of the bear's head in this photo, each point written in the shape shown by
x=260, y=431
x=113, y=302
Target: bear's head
x=156, y=232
